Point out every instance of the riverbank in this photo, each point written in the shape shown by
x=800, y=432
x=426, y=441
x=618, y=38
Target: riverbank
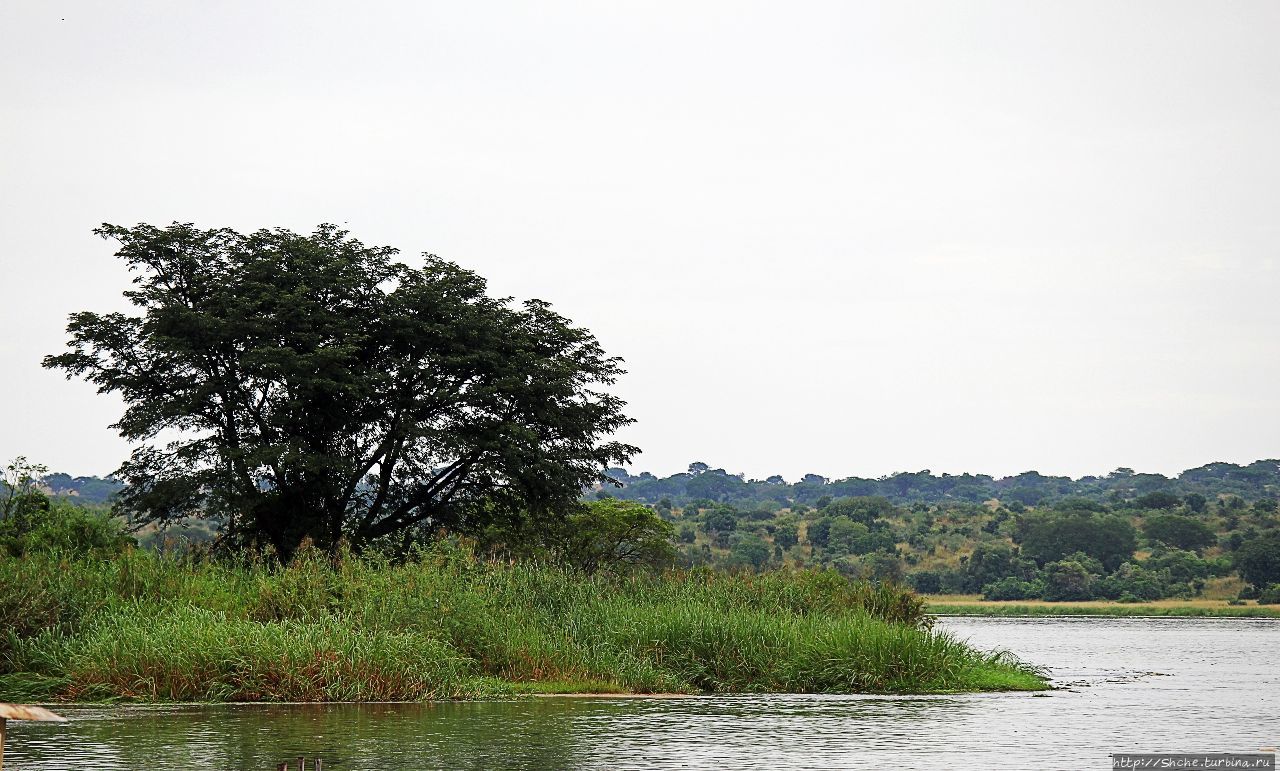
x=144, y=627
x=974, y=605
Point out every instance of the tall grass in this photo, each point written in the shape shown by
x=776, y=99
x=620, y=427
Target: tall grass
x=446, y=625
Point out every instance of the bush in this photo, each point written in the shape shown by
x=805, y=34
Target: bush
x=1270, y=595
x=749, y=551
x=1067, y=580
x=1258, y=560
x=58, y=526
x=991, y=562
x=1137, y=582
x=926, y=582
x=1012, y=588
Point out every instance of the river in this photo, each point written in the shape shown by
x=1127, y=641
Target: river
x=1123, y=685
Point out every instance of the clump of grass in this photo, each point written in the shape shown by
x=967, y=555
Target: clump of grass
x=446, y=625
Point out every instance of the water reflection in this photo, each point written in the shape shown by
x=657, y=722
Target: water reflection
x=1216, y=691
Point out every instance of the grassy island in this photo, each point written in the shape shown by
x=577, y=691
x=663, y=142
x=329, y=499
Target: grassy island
x=446, y=625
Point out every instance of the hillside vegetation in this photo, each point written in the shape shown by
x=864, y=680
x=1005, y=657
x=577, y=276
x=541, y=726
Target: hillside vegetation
x=1129, y=537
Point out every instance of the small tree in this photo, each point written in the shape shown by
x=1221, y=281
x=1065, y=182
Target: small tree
x=786, y=535
x=1046, y=537
x=1067, y=580
x=1158, y=500
x=1258, y=560
x=845, y=536
x=863, y=509
x=883, y=566
x=749, y=550
x=1179, y=531
x=991, y=562
x=20, y=490
x=614, y=536
x=818, y=532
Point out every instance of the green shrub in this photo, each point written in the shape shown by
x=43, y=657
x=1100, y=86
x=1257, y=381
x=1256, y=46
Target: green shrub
x=1011, y=588
x=57, y=526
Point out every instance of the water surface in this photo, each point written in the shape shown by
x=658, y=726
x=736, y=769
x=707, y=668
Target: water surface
x=1135, y=685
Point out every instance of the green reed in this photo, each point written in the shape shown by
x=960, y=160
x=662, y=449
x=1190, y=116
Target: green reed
x=445, y=624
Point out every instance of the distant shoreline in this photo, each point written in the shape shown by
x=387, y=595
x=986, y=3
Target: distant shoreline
x=973, y=605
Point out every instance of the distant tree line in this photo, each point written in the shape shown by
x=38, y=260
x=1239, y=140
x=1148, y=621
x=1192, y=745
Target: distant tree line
x=1260, y=479
x=1117, y=543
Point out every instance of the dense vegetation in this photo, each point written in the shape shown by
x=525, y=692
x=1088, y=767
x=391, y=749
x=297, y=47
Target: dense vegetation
x=85, y=616
x=1119, y=538
x=1260, y=479
x=1127, y=546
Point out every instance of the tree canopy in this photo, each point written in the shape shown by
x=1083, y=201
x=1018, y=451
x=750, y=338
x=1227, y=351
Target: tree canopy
x=311, y=387
x=1179, y=531
x=1046, y=537
x=1259, y=560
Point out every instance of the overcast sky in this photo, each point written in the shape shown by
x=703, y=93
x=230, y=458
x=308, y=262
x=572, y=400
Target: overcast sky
x=842, y=238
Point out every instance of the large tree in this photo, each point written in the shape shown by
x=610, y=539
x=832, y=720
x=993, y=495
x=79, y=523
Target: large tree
x=1054, y=535
x=309, y=386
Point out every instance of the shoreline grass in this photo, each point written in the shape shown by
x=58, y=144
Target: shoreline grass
x=149, y=628
x=974, y=605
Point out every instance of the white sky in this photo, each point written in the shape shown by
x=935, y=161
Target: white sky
x=842, y=238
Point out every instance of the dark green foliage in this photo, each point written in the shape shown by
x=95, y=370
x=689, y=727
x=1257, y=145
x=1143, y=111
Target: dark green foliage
x=1258, y=560
x=1137, y=582
x=1049, y=536
x=720, y=519
x=1012, y=588
x=818, y=532
x=925, y=581
x=715, y=485
x=32, y=522
x=1185, y=566
x=844, y=536
x=20, y=489
x=1260, y=479
x=786, y=535
x=1067, y=580
x=1270, y=595
x=611, y=536
x=749, y=550
x=1179, y=531
x=1158, y=500
x=325, y=391
x=991, y=562
x=58, y=527
x=883, y=566
x=863, y=509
